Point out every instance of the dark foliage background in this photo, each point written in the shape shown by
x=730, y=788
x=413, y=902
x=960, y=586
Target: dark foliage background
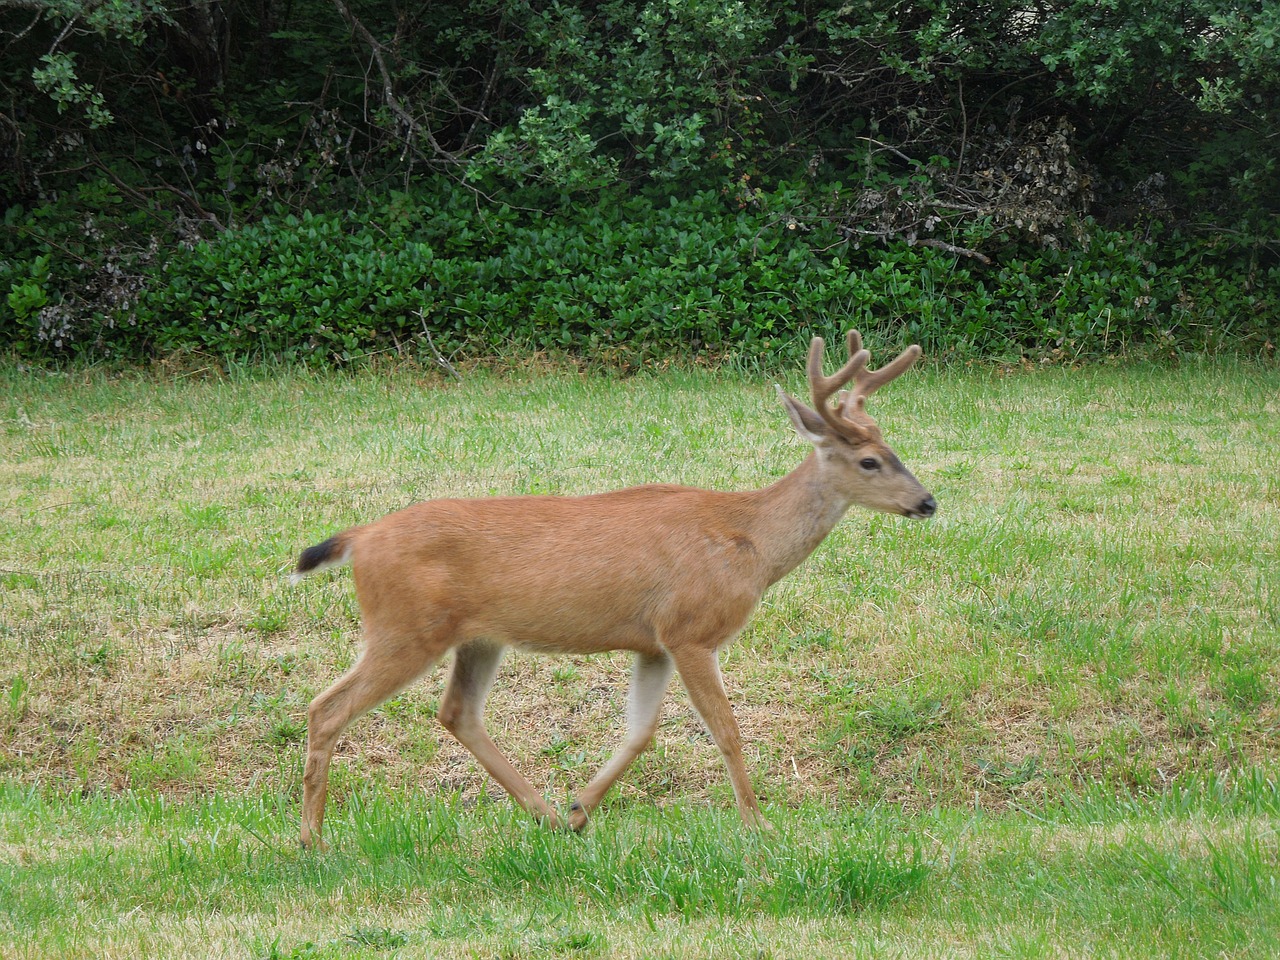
x=325, y=178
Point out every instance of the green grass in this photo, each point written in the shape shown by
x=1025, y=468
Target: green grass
x=135, y=874
x=1044, y=722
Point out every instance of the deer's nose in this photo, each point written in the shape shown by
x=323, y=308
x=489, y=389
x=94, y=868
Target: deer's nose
x=928, y=507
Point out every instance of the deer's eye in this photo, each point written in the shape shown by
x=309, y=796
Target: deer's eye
x=869, y=463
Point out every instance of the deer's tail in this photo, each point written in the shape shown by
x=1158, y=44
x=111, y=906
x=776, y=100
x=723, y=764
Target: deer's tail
x=332, y=553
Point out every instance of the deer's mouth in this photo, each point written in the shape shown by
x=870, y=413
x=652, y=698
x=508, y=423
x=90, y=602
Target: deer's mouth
x=925, y=508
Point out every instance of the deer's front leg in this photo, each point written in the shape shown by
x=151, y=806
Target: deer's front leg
x=700, y=671
x=650, y=676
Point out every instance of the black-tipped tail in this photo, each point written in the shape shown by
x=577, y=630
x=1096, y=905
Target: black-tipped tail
x=333, y=552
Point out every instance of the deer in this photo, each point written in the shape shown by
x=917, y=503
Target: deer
x=668, y=573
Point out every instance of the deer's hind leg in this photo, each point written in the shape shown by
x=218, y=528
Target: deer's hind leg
x=462, y=714
x=386, y=666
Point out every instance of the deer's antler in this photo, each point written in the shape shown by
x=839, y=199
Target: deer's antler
x=848, y=413
x=867, y=382
x=821, y=388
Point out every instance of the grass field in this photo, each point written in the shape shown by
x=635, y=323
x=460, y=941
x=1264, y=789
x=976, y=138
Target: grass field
x=1043, y=723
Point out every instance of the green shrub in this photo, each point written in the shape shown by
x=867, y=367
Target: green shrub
x=251, y=167
x=639, y=276
x=291, y=288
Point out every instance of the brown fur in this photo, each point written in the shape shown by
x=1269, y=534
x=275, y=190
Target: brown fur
x=670, y=573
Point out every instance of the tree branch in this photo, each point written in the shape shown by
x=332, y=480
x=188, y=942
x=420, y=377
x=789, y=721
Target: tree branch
x=435, y=352
x=388, y=87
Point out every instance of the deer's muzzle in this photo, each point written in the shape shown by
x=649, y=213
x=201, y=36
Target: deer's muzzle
x=925, y=508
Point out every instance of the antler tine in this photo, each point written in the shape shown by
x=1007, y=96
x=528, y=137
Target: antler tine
x=822, y=387
x=867, y=382
x=872, y=380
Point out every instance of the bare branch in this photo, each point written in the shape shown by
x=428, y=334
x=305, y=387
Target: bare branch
x=388, y=87
x=139, y=195
x=952, y=248
x=39, y=8
x=439, y=357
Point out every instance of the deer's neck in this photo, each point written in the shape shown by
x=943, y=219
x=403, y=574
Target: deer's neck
x=794, y=515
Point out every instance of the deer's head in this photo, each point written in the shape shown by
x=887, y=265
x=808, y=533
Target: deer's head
x=850, y=448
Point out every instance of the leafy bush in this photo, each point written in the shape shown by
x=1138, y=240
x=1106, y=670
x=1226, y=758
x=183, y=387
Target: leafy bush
x=293, y=287
x=992, y=177
x=70, y=269
x=650, y=275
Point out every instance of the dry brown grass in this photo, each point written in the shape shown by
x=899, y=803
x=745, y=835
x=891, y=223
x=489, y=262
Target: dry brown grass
x=1095, y=601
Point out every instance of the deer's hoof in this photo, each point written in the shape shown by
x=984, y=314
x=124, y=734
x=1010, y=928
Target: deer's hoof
x=314, y=846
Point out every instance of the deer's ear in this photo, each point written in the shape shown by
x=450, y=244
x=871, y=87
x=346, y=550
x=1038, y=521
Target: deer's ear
x=807, y=423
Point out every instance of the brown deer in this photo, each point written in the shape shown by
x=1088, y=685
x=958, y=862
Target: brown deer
x=669, y=573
